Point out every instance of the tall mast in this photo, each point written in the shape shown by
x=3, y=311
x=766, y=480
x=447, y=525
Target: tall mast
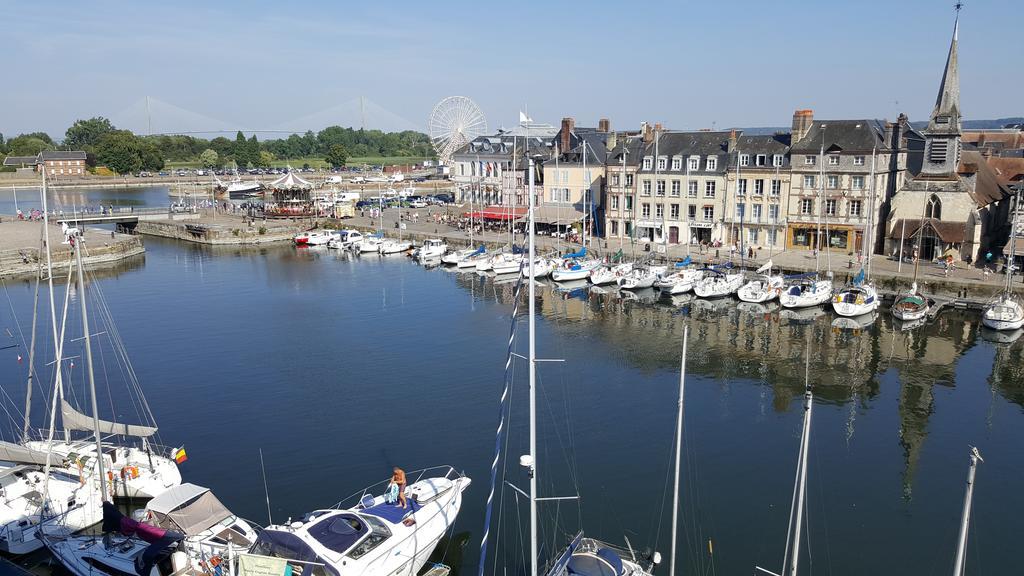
x=743, y=212
x=32, y=344
x=869, y=232
x=77, y=245
x=965, y=517
x=679, y=444
x=622, y=188
x=586, y=192
x=533, y=384
x=657, y=139
x=1013, y=243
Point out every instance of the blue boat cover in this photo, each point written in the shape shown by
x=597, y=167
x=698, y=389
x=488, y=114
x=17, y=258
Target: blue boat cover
x=686, y=262
x=582, y=253
x=605, y=563
x=804, y=276
x=518, y=249
x=392, y=512
x=479, y=250
x=563, y=559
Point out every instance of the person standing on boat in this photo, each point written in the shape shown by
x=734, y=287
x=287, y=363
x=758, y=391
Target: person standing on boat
x=398, y=477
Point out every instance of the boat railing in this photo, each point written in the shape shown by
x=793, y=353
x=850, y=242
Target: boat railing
x=351, y=500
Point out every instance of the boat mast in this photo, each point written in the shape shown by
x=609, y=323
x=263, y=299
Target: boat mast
x=965, y=517
x=869, y=232
x=533, y=381
x=679, y=444
x=742, y=213
x=77, y=245
x=586, y=192
x=1013, y=244
x=622, y=188
x=32, y=344
x=657, y=139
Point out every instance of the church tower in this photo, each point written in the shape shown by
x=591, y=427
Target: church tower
x=942, y=136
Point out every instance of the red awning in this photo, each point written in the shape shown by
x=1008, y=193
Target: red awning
x=497, y=213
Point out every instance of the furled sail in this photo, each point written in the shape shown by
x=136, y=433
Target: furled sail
x=75, y=420
x=21, y=455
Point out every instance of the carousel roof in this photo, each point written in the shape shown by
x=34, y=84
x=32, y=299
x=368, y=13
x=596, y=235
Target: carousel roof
x=291, y=180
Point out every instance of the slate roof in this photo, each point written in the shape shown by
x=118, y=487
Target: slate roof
x=769, y=145
x=501, y=144
x=632, y=145
x=952, y=232
x=596, y=147
x=20, y=161
x=687, y=144
x=62, y=155
x=842, y=136
x=987, y=188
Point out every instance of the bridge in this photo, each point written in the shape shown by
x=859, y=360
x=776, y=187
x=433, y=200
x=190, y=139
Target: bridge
x=130, y=216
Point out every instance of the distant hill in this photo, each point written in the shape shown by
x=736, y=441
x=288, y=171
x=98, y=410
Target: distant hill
x=968, y=125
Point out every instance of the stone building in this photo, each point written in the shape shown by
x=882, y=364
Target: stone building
x=58, y=163
x=955, y=201
x=490, y=170
x=620, y=197
x=681, y=186
x=757, y=191
x=574, y=177
x=832, y=198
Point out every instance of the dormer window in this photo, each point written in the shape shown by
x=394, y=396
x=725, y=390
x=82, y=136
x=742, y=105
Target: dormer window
x=677, y=163
x=662, y=162
x=777, y=160
x=761, y=159
x=712, y=163
x=693, y=163
x=810, y=160
x=744, y=159
x=833, y=160
x=648, y=162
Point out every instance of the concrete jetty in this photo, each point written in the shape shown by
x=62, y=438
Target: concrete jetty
x=20, y=252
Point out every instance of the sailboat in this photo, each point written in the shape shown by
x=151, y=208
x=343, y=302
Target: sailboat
x=681, y=280
x=860, y=298
x=717, y=283
x=583, y=555
x=398, y=245
x=1004, y=312
x=810, y=289
x=575, y=266
x=763, y=289
x=609, y=273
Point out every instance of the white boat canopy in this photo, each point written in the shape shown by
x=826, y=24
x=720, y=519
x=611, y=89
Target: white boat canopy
x=188, y=508
x=291, y=180
x=20, y=455
x=75, y=420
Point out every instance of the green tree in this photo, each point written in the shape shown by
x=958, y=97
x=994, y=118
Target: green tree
x=120, y=151
x=209, y=158
x=149, y=155
x=84, y=134
x=240, y=150
x=265, y=159
x=336, y=156
x=3, y=144
x=41, y=135
x=28, y=145
x=222, y=146
x=252, y=150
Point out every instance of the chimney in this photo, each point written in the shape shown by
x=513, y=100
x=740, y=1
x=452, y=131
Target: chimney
x=802, y=120
x=732, y=142
x=647, y=131
x=613, y=140
x=604, y=125
x=890, y=129
x=568, y=124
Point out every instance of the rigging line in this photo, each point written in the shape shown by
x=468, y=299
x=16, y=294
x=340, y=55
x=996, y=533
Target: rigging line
x=824, y=517
x=504, y=474
x=502, y=409
x=21, y=334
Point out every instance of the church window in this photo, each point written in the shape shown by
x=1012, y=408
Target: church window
x=934, y=208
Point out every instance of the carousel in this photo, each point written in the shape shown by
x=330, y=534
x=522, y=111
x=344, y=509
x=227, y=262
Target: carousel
x=291, y=197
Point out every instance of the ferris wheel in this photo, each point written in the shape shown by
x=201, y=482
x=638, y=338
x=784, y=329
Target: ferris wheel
x=454, y=122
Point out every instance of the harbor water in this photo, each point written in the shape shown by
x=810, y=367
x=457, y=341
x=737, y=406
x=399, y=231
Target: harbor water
x=340, y=367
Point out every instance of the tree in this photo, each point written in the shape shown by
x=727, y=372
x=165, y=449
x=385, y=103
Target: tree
x=84, y=134
x=209, y=158
x=336, y=156
x=222, y=146
x=3, y=144
x=265, y=159
x=252, y=150
x=241, y=150
x=28, y=145
x=120, y=151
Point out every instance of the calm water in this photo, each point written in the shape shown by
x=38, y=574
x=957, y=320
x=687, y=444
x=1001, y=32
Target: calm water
x=340, y=368
x=68, y=199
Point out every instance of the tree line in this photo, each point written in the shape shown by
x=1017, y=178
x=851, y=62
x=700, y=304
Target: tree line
x=125, y=152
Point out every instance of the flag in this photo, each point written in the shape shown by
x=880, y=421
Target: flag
x=19, y=358
x=523, y=118
x=179, y=455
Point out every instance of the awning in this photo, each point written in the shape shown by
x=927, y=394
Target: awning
x=1018, y=246
x=949, y=232
x=188, y=508
x=497, y=213
x=555, y=215
x=20, y=455
x=291, y=180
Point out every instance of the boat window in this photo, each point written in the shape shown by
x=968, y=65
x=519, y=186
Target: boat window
x=379, y=532
x=278, y=544
x=339, y=532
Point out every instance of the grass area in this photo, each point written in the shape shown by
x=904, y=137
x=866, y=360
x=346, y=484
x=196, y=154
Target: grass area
x=354, y=162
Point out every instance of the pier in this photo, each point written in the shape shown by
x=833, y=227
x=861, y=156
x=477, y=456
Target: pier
x=21, y=254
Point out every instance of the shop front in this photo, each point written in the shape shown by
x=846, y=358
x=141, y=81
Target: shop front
x=836, y=238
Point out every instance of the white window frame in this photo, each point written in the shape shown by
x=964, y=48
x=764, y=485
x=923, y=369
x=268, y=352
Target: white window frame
x=777, y=160
x=857, y=182
x=859, y=208
x=662, y=162
x=691, y=188
x=834, y=204
x=676, y=188
x=741, y=208
x=646, y=188
x=677, y=163
x=810, y=160
x=741, y=187
x=809, y=181
x=673, y=211
x=648, y=162
x=645, y=210
x=712, y=163
x=858, y=160
x=806, y=206
x=660, y=188
x=761, y=160
x=755, y=212
x=744, y=159
x=773, y=212
x=759, y=187
x=833, y=160
x=659, y=211
x=709, y=189
x=708, y=212
x=776, y=187
x=832, y=181
x=693, y=163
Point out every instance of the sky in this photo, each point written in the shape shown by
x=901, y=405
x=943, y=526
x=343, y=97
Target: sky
x=257, y=65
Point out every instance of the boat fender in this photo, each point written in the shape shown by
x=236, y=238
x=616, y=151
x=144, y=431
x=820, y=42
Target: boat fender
x=81, y=474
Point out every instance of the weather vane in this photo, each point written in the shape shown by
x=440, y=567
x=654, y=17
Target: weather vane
x=958, y=6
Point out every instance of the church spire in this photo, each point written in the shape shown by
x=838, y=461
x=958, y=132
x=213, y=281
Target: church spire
x=946, y=115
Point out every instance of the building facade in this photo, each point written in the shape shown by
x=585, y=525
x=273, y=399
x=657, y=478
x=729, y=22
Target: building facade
x=757, y=191
x=620, y=184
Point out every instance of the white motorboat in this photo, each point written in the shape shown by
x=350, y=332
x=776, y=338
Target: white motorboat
x=369, y=244
x=70, y=504
x=503, y=263
x=466, y=258
x=431, y=248
x=1003, y=313
x=807, y=290
x=638, y=278
x=186, y=527
x=573, y=269
x=369, y=535
x=609, y=274
x=763, y=289
x=910, y=306
x=394, y=246
x=541, y=268
x=679, y=282
x=346, y=239
x=855, y=324
x=856, y=300
x=717, y=284
x=315, y=237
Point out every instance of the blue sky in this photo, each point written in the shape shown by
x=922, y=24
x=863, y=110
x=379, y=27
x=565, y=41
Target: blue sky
x=267, y=65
